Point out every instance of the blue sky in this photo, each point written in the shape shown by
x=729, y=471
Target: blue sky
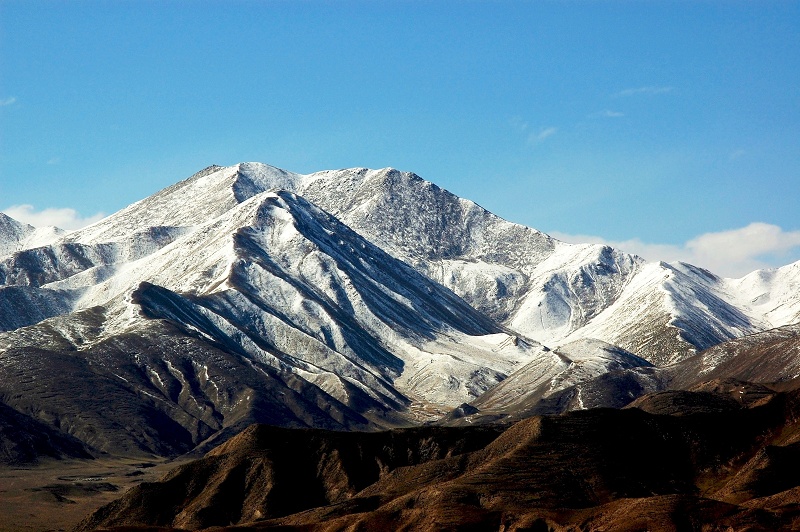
x=671, y=129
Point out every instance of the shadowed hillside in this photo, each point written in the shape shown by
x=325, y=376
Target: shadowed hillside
x=729, y=463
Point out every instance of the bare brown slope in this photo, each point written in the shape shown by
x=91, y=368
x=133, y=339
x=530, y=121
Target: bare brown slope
x=161, y=390
x=270, y=472
x=612, y=469
x=25, y=440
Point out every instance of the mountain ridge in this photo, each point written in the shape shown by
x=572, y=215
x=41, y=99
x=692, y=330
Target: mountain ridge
x=374, y=292
x=725, y=464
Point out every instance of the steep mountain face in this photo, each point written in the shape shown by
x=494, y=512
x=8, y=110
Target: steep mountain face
x=12, y=233
x=542, y=288
x=25, y=305
x=670, y=311
x=534, y=284
x=271, y=289
x=537, y=286
x=348, y=299
x=156, y=388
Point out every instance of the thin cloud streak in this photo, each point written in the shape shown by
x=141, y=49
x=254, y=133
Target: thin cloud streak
x=517, y=123
x=607, y=113
x=732, y=253
x=63, y=218
x=8, y=101
x=534, y=137
x=647, y=91
x=542, y=135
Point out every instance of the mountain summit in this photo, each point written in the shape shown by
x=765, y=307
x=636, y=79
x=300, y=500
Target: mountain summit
x=347, y=299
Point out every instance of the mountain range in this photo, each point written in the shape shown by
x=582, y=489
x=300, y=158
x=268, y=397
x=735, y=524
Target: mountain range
x=352, y=299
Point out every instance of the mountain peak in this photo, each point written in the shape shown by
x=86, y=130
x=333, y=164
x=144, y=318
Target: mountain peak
x=17, y=236
x=385, y=294
x=254, y=178
x=12, y=234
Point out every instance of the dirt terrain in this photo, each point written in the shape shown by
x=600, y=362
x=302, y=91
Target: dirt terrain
x=56, y=495
x=720, y=458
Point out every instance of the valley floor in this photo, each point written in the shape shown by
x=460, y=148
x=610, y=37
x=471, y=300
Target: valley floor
x=56, y=495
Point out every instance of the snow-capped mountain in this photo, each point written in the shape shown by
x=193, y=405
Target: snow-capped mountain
x=263, y=275
x=533, y=284
x=772, y=294
x=565, y=367
x=542, y=288
x=16, y=236
x=768, y=356
x=374, y=292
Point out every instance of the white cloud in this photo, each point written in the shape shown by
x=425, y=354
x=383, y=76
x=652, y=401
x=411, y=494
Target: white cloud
x=737, y=154
x=607, y=113
x=732, y=253
x=647, y=91
x=534, y=137
x=544, y=133
x=64, y=218
x=7, y=101
x=54, y=161
x=516, y=122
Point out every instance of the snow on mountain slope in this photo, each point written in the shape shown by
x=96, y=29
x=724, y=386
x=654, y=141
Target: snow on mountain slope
x=767, y=356
x=493, y=264
x=137, y=231
x=279, y=280
x=538, y=286
x=567, y=366
x=571, y=287
x=12, y=233
x=16, y=236
x=191, y=202
x=23, y=305
x=669, y=312
x=206, y=195
x=773, y=294
x=542, y=288
x=144, y=227
x=43, y=236
x=347, y=299
x=545, y=289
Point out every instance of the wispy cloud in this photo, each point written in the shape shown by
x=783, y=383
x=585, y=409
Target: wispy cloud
x=607, y=113
x=737, y=154
x=534, y=136
x=54, y=161
x=732, y=253
x=645, y=91
x=518, y=123
x=542, y=135
x=7, y=101
x=64, y=218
